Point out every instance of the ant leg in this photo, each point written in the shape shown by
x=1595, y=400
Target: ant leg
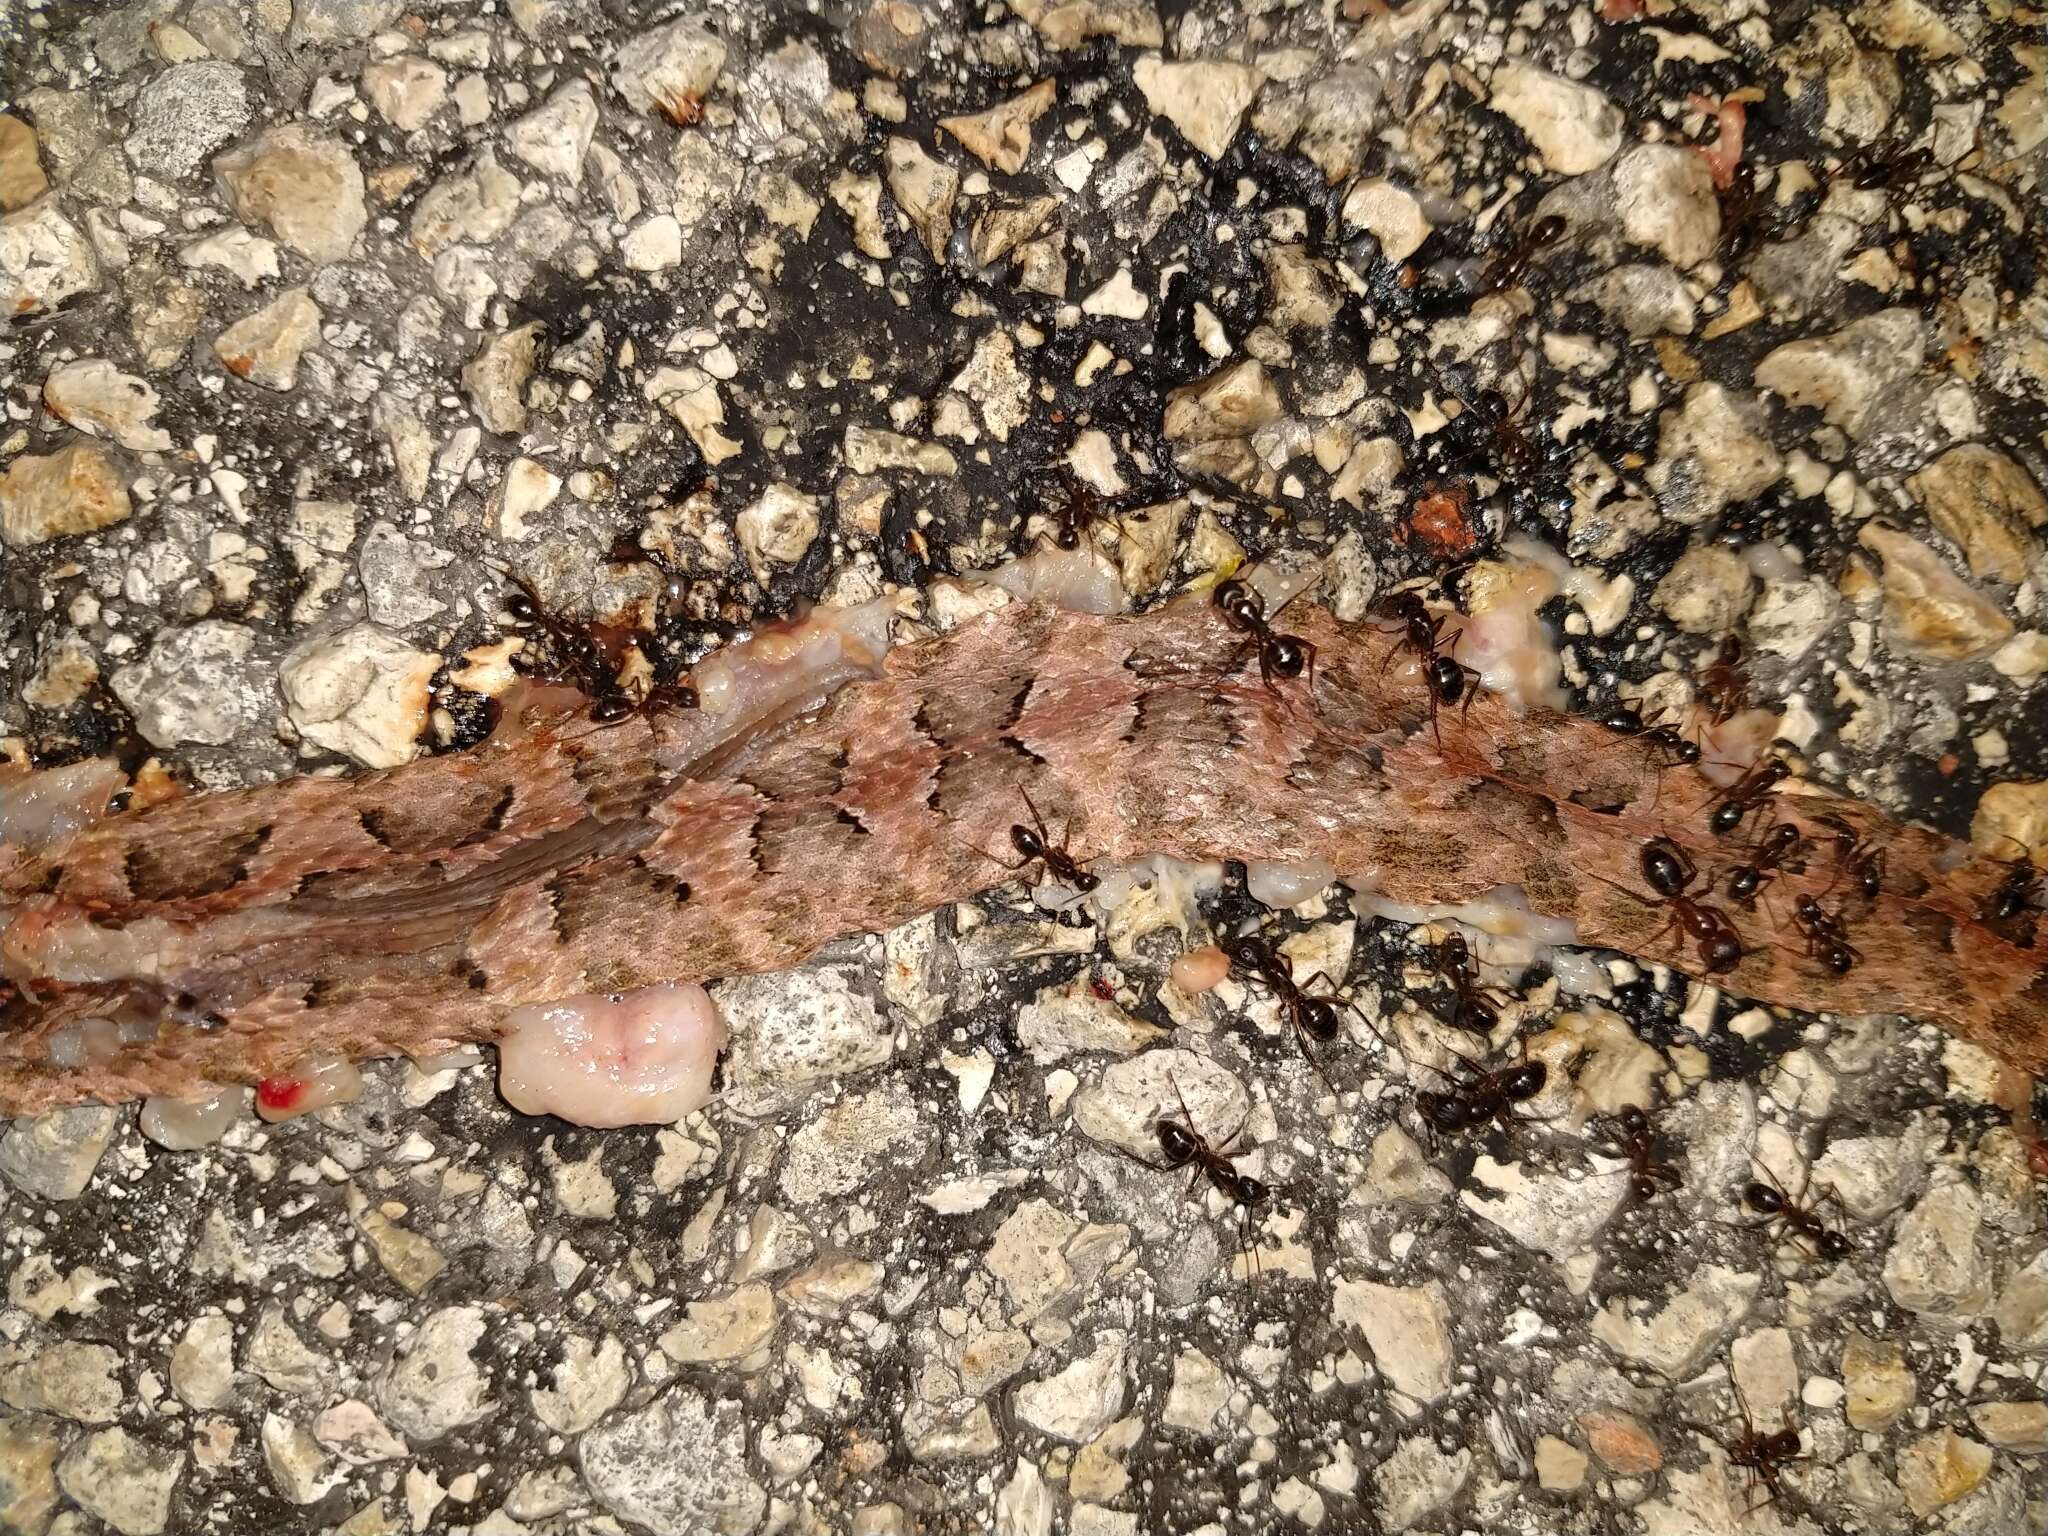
x=1037, y=820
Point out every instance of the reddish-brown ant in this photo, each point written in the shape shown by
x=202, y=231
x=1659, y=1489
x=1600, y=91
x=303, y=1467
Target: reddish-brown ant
x=1311, y=1016
x=1747, y=793
x=1826, y=939
x=1725, y=683
x=1741, y=213
x=1663, y=746
x=1785, y=1216
x=1771, y=851
x=1447, y=678
x=577, y=654
x=2018, y=893
x=1507, y=268
x=1185, y=1147
x=1762, y=1457
x=1856, y=858
x=1647, y=1172
x=1279, y=655
x=1887, y=167
x=1669, y=872
x=1486, y=1099
x=1037, y=847
x=1472, y=1006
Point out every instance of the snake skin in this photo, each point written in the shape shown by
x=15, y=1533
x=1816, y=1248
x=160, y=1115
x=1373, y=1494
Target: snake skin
x=407, y=911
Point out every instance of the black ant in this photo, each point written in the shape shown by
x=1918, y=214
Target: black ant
x=1769, y=856
x=1037, y=847
x=1508, y=267
x=1647, y=1172
x=1725, y=682
x=1747, y=793
x=1487, y=1099
x=1471, y=1007
x=1279, y=655
x=1855, y=857
x=1448, y=679
x=1762, y=1457
x=2019, y=892
x=1185, y=1147
x=1826, y=939
x=1785, y=1216
x=1669, y=872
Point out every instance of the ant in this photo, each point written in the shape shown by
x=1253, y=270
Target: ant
x=1889, y=168
x=1256, y=956
x=1186, y=1147
x=1669, y=872
x=1511, y=446
x=1489, y=1098
x=1725, y=682
x=1279, y=655
x=1508, y=267
x=1762, y=1457
x=2018, y=892
x=1742, y=208
x=1037, y=847
x=1664, y=745
x=1449, y=679
x=1765, y=860
x=1471, y=1007
x=579, y=655
x=1854, y=856
x=1825, y=937
x=1647, y=1172
x=1747, y=793
x=1785, y=1216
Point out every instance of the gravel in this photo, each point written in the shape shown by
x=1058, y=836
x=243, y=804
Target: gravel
x=331, y=314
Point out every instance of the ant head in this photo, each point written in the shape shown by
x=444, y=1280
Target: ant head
x=1525, y=1080
x=1548, y=230
x=1632, y=1119
x=522, y=609
x=611, y=708
x=1762, y=1198
x=1723, y=952
x=1834, y=1246
x=1841, y=959
x=1783, y=1444
x=1286, y=656
x=1176, y=1140
x=1085, y=880
x=1643, y=1186
x=1446, y=679
x=1686, y=751
x=1319, y=1018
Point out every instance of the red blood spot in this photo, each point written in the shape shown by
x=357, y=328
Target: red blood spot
x=1439, y=521
x=1100, y=988
x=280, y=1093
x=1620, y=10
